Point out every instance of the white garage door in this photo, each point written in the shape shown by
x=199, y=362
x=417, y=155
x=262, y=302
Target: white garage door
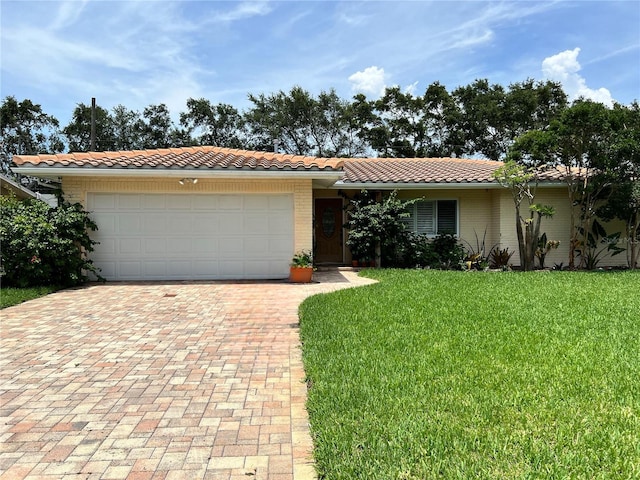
x=191, y=236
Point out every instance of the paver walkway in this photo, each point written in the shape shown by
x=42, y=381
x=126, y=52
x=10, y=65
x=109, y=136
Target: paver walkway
x=158, y=381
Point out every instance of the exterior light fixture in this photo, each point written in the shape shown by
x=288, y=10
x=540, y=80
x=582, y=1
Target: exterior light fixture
x=193, y=181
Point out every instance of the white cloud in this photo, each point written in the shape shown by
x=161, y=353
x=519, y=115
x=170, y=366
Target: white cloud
x=411, y=89
x=564, y=67
x=68, y=13
x=370, y=80
x=244, y=10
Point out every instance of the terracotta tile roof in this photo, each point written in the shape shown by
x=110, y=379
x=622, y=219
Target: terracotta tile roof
x=204, y=158
x=428, y=171
x=356, y=171
x=419, y=170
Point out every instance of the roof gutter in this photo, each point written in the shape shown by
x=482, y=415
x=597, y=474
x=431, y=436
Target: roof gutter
x=410, y=186
x=56, y=172
x=426, y=185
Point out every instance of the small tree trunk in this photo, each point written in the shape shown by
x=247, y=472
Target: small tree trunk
x=521, y=245
x=633, y=244
x=529, y=245
x=573, y=239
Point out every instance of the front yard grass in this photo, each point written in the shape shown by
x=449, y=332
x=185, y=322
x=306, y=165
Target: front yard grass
x=454, y=375
x=10, y=296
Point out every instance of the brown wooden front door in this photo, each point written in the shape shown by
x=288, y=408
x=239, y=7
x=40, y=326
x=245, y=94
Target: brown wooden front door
x=328, y=230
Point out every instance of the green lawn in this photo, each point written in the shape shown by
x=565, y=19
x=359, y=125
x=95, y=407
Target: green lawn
x=432, y=374
x=13, y=296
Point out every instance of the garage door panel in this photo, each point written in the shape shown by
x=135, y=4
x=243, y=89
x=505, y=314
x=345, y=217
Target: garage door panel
x=129, y=223
x=179, y=202
x=129, y=201
x=257, y=247
x=279, y=203
x=179, y=245
x=179, y=269
x=192, y=236
x=205, y=245
x=231, y=224
x=180, y=223
x=102, y=201
x=108, y=269
x=106, y=247
x=205, y=223
x=155, y=246
x=106, y=222
x=260, y=267
x=279, y=246
x=205, y=202
x=231, y=268
x=230, y=247
x=129, y=246
x=206, y=269
x=230, y=202
x=156, y=268
x=153, y=223
x=255, y=203
x=256, y=224
x=130, y=270
x=153, y=202
x=279, y=225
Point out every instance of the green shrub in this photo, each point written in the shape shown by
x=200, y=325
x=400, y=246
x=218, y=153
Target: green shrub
x=43, y=245
x=449, y=252
x=373, y=222
x=500, y=257
x=413, y=250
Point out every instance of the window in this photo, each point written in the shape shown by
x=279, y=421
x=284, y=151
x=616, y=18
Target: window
x=433, y=217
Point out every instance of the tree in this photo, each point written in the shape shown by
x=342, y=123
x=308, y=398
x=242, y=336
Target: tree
x=157, y=130
x=624, y=200
x=577, y=144
x=401, y=125
x=301, y=124
x=483, y=110
x=492, y=117
x=522, y=182
x=400, y=128
x=78, y=131
x=441, y=118
x=26, y=130
x=126, y=129
x=217, y=125
x=338, y=128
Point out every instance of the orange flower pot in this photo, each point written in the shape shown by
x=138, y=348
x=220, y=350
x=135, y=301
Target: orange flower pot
x=300, y=274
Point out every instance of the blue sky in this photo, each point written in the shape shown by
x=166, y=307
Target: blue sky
x=137, y=53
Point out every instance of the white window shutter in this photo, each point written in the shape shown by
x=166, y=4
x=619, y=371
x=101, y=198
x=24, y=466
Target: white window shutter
x=425, y=218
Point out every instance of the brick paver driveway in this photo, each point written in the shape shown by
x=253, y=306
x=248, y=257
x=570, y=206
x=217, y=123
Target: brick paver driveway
x=157, y=381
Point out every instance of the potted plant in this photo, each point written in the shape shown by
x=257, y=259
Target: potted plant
x=301, y=267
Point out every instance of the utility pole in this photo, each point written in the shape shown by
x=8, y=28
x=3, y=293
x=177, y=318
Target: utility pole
x=93, y=124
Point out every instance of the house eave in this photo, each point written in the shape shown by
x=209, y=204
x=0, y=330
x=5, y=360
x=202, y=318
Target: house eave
x=341, y=185
x=409, y=185
x=57, y=172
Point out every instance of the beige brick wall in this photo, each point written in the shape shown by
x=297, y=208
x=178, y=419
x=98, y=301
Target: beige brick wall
x=76, y=189
x=556, y=228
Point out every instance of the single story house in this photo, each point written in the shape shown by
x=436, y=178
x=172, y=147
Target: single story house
x=217, y=213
